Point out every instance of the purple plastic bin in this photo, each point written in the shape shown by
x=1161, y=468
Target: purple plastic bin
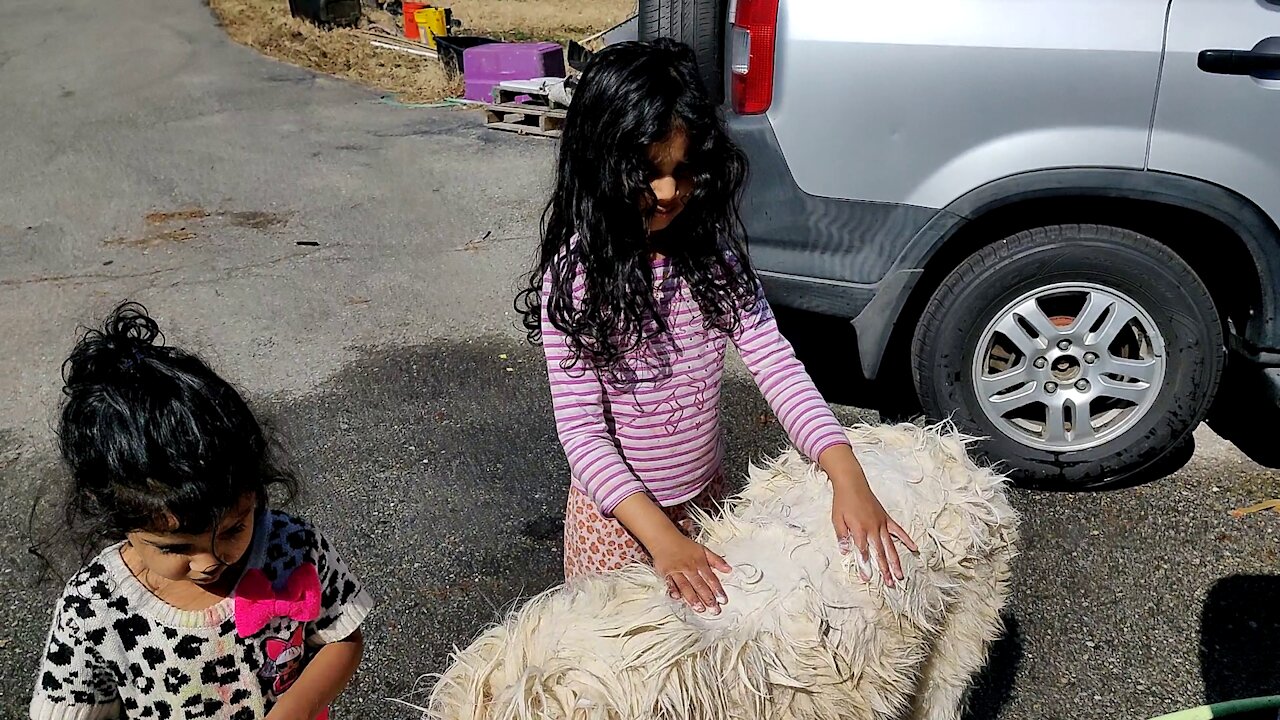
x=484, y=66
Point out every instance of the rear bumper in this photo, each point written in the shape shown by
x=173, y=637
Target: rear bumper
x=844, y=247
x=825, y=255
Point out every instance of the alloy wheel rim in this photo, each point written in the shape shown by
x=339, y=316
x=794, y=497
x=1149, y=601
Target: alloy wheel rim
x=1068, y=367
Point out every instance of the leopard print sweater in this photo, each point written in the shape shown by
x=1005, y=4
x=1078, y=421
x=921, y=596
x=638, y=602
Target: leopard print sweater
x=116, y=650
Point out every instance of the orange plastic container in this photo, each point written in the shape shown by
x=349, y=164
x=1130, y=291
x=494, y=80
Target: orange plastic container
x=411, y=25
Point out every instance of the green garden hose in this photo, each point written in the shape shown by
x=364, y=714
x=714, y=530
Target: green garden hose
x=1223, y=709
x=391, y=100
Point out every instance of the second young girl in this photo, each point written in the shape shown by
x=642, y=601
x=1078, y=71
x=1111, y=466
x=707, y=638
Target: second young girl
x=642, y=281
x=205, y=602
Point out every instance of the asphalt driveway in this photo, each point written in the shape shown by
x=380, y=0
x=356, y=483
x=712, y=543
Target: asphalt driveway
x=351, y=265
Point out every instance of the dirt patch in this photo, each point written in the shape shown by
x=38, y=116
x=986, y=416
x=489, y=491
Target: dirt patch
x=266, y=26
x=152, y=239
x=256, y=219
x=165, y=227
x=161, y=218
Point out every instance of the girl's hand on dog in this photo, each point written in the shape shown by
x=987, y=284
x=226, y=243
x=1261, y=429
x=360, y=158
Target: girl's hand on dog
x=858, y=517
x=689, y=569
x=857, y=514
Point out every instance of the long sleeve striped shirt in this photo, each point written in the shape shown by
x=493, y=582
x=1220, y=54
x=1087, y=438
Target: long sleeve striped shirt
x=662, y=434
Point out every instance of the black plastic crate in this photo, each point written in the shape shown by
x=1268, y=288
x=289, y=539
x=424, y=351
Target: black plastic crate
x=327, y=13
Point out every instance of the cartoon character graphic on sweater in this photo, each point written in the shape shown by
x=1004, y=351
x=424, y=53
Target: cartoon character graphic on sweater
x=284, y=660
x=259, y=604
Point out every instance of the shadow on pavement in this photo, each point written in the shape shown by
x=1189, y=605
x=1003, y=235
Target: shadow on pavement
x=438, y=469
x=1240, y=640
x=993, y=687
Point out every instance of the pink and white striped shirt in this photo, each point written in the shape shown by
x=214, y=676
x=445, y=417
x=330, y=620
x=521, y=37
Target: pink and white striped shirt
x=662, y=434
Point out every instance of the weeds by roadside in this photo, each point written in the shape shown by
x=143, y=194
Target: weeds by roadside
x=266, y=26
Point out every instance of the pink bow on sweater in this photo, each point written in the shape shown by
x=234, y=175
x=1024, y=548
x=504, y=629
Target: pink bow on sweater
x=257, y=602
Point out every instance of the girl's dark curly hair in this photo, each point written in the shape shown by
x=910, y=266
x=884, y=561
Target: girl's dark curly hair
x=631, y=96
x=153, y=437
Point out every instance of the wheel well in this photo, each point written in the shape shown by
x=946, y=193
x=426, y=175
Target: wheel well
x=1215, y=252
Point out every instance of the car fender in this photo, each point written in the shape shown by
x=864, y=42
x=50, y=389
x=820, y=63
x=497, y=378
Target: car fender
x=876, y=323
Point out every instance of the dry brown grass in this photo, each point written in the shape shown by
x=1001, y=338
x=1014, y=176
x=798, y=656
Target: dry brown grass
x=266, y=26
x=539, y=19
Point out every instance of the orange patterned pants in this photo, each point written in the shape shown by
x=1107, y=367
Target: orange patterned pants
x=594, y=543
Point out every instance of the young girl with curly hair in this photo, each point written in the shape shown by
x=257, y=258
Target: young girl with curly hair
x=643, y=280
x=206, y=601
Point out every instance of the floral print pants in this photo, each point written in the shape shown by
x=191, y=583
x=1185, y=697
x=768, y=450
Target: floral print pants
x=594, y=543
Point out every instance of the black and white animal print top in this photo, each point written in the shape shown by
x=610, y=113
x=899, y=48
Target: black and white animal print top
x=116, y=650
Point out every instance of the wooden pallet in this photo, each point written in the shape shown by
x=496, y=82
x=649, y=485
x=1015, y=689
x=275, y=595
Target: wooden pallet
x=506, y=94
x=538, y=115
x=525, y=119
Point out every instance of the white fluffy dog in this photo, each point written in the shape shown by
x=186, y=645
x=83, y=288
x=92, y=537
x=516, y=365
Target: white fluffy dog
x=802, y=635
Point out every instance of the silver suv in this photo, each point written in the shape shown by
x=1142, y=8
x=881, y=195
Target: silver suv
x=1060, y=217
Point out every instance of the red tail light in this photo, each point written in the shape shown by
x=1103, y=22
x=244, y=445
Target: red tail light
x=751, y=46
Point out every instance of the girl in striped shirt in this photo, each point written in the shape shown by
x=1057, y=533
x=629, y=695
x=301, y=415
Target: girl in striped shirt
x=642, y=281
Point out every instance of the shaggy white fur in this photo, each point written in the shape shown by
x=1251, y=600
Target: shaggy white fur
x=802, y=636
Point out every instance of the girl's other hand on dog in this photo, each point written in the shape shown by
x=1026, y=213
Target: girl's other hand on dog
x=858, y=517
x=860, y=521
x=689, y=569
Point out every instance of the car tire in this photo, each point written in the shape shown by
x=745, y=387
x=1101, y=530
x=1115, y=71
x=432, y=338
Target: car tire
x=696, y=23
x=1048, y=403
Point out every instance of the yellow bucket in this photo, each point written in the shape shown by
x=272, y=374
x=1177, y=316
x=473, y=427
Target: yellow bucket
x=432, y=22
